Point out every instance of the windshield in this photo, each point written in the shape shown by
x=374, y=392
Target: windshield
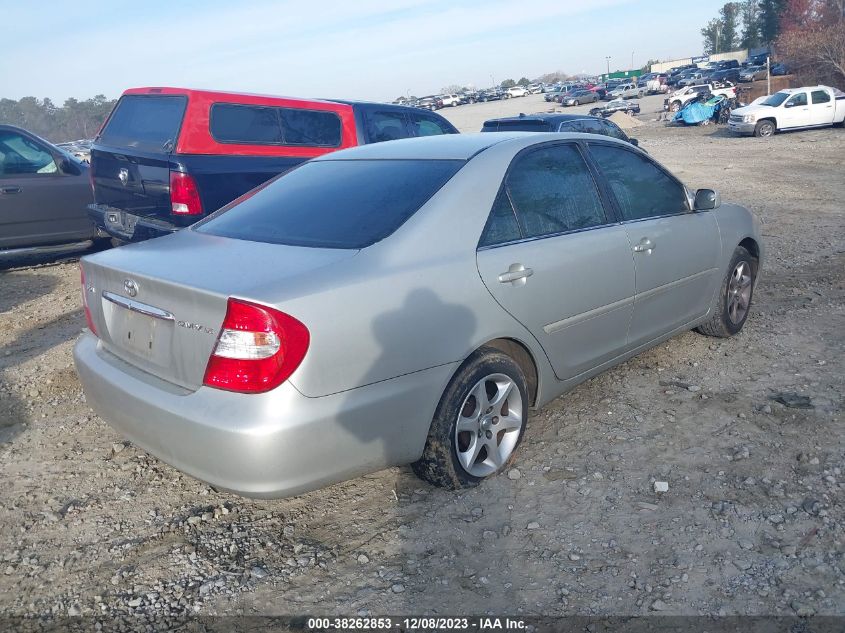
x=333, y=203
x=776, y=99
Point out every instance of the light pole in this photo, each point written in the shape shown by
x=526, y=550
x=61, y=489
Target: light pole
x=632, y=60
x=608, y=66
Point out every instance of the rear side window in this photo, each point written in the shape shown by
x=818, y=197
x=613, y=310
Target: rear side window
x=641, y=188
x=424, y=125
x=552, y=192
x=819, y=96
x=334, y=204
x=385, y=126
x=145, y=122
x=266, y=125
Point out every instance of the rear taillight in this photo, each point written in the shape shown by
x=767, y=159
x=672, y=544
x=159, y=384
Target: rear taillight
x=257, y=350
x=184, y=195
x=88, y=320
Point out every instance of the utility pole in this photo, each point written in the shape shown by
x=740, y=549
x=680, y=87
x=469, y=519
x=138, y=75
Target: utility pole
x=632, y=60
x=608, y=66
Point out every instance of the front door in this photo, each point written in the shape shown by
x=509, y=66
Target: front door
x=795, y=112
x=554, y=258
x=675, y=250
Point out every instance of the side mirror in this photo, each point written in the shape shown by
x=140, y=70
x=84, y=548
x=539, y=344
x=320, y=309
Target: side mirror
x=634, y=142
x=706, y=199
x=66, y=166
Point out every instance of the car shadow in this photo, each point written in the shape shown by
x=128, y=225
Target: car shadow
x=17, y=288
x=32, y=260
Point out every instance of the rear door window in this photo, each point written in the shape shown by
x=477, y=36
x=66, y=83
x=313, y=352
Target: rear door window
x=426, y=125
x=552, y=192
x=268, y=125
x=145, y=122
x=386, y=126
x=819, y=96
x=333, y=203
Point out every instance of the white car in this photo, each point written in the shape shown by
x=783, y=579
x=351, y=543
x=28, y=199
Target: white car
x=628, y=91
x=516, y=91
x=792, y=109
x=450, y=100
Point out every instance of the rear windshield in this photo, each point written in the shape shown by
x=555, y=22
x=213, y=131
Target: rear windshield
x=333, y=204
x=145, y=122
x=262, y=125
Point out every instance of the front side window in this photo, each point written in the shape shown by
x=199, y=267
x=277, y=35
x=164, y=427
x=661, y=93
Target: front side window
x=266, y=125
x=640, y=187
x=552, y=191
x=797, y=100
x=609, y=128
x=21, y=155
x=819, y=96
x=385, y=126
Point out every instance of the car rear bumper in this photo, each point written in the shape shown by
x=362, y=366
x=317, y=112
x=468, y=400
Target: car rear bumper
x=126, y=226
x=270, y=445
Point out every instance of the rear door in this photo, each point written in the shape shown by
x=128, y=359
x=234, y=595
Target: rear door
x=675, y=250
x=130, y=160
x=39, y=204
x=821, y=107
x=557, y=261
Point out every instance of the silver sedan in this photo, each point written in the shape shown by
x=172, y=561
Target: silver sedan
x=403, y=302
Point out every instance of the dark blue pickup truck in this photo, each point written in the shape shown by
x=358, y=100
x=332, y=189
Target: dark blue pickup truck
x=167, y=157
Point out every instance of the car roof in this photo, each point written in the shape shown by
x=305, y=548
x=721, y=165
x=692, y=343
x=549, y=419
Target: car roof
x=446, y=146
x=541, y=117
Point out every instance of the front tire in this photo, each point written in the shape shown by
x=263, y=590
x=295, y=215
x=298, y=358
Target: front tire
x=764, y=129
x=675, y=106
x=478, y=424
x=733, y=303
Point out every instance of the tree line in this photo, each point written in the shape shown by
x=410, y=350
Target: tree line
x=809, y=35
x=69, y=122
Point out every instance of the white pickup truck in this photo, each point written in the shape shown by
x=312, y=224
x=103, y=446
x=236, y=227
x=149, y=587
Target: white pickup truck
x=792, y=109
x=680, y=98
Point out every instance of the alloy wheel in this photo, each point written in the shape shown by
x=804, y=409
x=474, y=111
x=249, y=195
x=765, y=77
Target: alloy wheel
x=488, y=425
x=739, y=292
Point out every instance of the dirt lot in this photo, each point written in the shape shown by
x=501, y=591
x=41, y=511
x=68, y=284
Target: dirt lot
x=753, y=522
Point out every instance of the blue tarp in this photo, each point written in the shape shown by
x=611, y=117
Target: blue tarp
x=695, y=113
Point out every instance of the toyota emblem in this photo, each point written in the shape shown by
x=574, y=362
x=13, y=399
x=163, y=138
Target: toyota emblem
x=130, y=287
x=123, y=174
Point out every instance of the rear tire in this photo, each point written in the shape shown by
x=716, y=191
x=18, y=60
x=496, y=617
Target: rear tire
x=733, y=302
x=478, y=424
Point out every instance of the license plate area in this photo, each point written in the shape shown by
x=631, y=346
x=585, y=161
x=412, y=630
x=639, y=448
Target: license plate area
x=138, y=330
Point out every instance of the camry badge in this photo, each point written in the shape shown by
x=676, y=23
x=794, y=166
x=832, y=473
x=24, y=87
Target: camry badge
x=123, y=174
x=131, y=287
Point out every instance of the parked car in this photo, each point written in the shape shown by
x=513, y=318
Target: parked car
x=779, y=69
x=680, y=98
x=468, y=97
x=44, y=192
x=534, y=88
x=617, y=105
x=725, y=76
x=543, y=122
x=491, y=94
x=516, y=91
x=676, y=79
x=552, y=96
x=756, y=60
x=167, y=157
x=450, y=100
x=476, y=307
x=752, y=73
x=431, y=102
x=580, y=96
x=627, y=91
x=81, y=149
x=791, y=109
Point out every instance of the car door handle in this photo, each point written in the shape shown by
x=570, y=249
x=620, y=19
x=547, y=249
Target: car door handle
x=7, y=191
x=516, y=274
x=645, y=246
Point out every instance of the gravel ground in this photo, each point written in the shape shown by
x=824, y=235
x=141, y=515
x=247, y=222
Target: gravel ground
x=752, y=522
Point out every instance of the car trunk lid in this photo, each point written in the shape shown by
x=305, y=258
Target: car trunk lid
x=163, y=314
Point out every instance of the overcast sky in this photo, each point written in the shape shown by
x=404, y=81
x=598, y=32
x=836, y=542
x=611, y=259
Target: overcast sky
x=357, y=49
